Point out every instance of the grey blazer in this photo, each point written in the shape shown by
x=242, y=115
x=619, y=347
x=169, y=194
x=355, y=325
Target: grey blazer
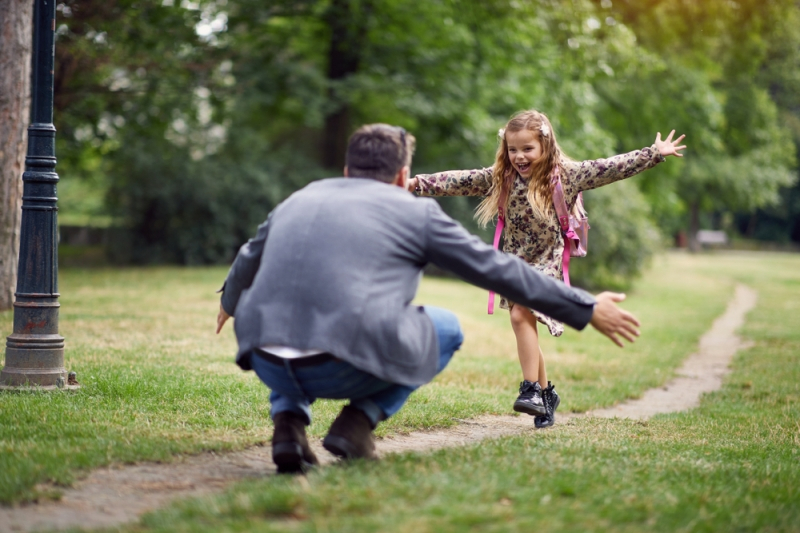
x=336, y=265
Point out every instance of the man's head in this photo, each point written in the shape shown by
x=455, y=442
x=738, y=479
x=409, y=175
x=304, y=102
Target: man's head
x=380, y=152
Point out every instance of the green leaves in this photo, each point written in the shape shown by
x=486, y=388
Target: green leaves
x=268, y=92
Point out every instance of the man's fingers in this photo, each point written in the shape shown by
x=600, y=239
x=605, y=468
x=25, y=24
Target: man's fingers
x=613, y=296
x=614, y=338
x=222, y=317
x=628, y=317
x=630, y=336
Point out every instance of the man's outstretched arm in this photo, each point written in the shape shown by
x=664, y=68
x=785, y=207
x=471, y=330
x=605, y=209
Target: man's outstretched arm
x=452, y=247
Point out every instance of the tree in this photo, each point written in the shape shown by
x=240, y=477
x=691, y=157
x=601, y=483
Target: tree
x=15, y=61
x=724, y=73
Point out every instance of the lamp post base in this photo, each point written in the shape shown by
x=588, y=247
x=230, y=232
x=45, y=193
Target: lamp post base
x=35, y=362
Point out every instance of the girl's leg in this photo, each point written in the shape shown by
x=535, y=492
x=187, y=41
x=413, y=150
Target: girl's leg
x=531, y=358
x=529, y=401
x=542, y=370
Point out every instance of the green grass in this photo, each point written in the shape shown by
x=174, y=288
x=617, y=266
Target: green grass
x=733, y=464
x=157, y=381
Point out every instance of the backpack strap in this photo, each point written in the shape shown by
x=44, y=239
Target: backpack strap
x=563, y=219
x=501, y=224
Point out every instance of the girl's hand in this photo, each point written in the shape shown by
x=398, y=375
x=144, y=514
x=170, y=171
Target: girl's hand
x=668, y=146
x=411, y=184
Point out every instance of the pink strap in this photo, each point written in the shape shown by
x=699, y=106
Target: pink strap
x=565, y=261
x=563, y=219
x=501, y=222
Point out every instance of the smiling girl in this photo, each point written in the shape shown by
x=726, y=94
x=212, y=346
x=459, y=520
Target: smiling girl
x=527, y=159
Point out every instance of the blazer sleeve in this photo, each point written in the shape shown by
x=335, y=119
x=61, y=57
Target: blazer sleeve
x=450, y=246
x=244, y=268
x=455, y=183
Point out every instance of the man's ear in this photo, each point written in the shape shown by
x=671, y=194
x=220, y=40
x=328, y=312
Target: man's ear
x=401, y=179
x=345, y=173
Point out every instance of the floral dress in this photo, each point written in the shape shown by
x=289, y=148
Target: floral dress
x=537, y=240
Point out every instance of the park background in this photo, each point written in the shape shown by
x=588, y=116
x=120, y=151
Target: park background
x=182, y=124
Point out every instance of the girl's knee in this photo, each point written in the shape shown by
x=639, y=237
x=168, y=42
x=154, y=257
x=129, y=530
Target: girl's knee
x=520, y=316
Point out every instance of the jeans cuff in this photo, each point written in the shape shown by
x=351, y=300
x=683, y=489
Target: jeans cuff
x=368, y=407
x=305, y=413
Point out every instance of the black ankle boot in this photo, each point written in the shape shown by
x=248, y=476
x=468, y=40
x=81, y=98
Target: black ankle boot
x=551, y=402
x=350, y=436
x=290, y=450
x=530, y=400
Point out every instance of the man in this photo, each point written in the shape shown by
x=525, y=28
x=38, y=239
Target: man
x=322, y=297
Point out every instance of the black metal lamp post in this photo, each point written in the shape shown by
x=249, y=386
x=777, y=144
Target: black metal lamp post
x=35, y=351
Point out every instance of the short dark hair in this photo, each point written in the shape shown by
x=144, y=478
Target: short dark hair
x=379, y=151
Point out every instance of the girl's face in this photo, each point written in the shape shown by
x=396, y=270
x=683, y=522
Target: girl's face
x=523, y=150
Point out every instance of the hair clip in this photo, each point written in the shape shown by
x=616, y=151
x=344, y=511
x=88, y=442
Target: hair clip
x=501, y=132
x=545, y=130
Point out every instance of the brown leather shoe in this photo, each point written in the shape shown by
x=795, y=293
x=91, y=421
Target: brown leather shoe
x=290, y=450
x=350, y=436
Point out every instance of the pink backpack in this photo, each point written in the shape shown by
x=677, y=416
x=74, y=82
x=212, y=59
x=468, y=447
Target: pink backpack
x=574, y=228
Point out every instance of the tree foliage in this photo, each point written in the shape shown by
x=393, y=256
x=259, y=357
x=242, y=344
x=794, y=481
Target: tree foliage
x=195, y=118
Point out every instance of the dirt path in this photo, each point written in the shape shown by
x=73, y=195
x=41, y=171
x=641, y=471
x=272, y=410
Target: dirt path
x=113, y=496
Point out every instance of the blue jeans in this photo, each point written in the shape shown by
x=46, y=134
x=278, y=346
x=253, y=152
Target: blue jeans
x=295, y=389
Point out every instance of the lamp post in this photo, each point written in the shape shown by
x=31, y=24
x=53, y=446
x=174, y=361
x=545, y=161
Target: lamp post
x=35, y=350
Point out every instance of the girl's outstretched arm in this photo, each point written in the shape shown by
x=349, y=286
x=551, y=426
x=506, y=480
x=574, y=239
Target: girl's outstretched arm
x=668, y=146
x=585, y=175
x=453, y=183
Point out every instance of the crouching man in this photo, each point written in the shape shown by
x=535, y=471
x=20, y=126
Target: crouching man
x=322, y=298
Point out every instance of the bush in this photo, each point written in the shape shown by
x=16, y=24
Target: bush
x=178, y=210
x=621, y=241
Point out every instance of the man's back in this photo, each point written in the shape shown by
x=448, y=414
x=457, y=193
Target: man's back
x=340, y=266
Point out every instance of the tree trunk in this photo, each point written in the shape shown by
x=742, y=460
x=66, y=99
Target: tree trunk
x=15, y=65
x=694, y=227
x=347, y=20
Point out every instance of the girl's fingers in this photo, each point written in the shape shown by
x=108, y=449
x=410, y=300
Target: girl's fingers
x=669, y=137
x=679, y=139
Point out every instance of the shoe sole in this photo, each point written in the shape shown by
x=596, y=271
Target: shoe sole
x=341, y=447
x=288, y=457
x=528, y=409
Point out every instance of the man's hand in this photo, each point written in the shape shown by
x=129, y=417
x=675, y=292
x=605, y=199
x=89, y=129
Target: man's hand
x=223, y=317
x=411, y=184
x=612, y=321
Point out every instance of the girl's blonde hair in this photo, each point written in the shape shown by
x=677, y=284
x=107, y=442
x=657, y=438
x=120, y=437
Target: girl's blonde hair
x=540, y=191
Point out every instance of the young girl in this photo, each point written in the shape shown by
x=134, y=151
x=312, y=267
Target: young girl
x=526, y=160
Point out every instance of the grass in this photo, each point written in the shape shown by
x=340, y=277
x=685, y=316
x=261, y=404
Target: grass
x=733, y=464
x=157, y=382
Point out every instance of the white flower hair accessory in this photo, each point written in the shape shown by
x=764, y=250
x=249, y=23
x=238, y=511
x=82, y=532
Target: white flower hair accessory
x=501, y=132
x=545, y=130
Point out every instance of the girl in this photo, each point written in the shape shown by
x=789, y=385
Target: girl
x=527, y=158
